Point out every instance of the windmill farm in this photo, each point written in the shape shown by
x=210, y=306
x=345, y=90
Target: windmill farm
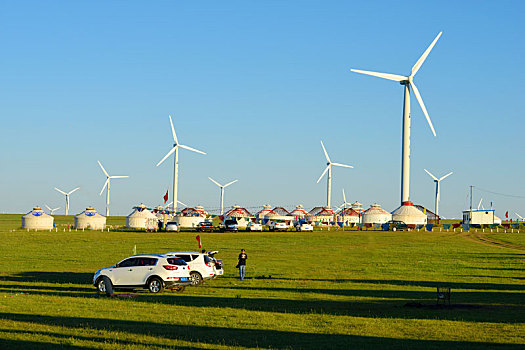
x=408, y=213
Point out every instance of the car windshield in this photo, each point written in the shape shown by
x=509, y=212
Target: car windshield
x=176, y=261
x=230, y=222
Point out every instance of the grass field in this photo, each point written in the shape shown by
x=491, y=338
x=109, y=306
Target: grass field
x=328, y=289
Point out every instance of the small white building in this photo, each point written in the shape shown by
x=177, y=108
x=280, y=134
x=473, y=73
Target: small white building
x=90, y=219
x=376, y=215
x=409, y=215
x=481, y=217
x=141, y=218
x=36, y=219
x=260, y=217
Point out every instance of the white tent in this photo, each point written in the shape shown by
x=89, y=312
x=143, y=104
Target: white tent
x=376, y=215
x=142, y=218
x=91, y=219
x=410, y=215
x=36, y=219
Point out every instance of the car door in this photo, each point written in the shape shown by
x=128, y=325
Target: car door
x=143, y=270
x=123, y=272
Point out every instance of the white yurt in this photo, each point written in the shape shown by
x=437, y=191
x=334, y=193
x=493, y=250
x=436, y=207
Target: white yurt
x=321, y=215
x=358, y=207
x=191, y=217
x=242, y=215
x=36, y=219
x=142, y=218
x=409, y=214
x=260, y=216
x=90, y=219
x=348, y=216
x=299, y=211
x=376, y=215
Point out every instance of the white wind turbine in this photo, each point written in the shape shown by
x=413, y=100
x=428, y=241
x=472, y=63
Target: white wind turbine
x=175, y=149
x=521, y=218
x=222, y=191
x=329, y=178
x=51, y=211
x=437, y=181
x=67, y=197
x=345, y=203
x=408, y=83
x=108, y=184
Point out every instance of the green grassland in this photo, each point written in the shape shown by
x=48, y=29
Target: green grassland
x=328, y=289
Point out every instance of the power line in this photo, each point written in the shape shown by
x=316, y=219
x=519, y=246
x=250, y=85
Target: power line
x=497, y=193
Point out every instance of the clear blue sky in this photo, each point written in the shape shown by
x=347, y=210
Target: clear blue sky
x=256, y=85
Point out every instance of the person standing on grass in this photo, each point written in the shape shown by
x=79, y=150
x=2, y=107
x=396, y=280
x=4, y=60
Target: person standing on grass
x=242, y=263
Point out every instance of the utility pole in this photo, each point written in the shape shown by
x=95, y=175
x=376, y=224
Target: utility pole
x=470, y=216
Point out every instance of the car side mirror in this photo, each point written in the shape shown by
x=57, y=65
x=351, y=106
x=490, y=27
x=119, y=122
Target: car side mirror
x=117, y=265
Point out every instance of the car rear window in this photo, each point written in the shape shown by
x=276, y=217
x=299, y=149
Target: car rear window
x=207, y=259
x=176, y=261
x=186, y=258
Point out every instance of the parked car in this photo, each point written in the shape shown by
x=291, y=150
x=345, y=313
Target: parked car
x=149, y=271
x=278, y=226
x=304, y=227
x=253, y=226
x=229, y=225
x=201, y=265
x=218, y=265
x=397, y=225
x=172, y=226
x=205, y=226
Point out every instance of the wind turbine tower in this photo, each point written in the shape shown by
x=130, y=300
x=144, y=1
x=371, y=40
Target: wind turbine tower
x=437, y=181
x=329, y=178
x=108, y=184
x=222, y=191
x=67, y=197
x=175, y=150
x=408, y=84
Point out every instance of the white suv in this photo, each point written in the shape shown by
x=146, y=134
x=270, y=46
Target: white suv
x=202, y=267
x=150, y=271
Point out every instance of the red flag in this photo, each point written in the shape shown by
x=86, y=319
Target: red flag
x=166, y=197
x=507, y=215
x=198, y=238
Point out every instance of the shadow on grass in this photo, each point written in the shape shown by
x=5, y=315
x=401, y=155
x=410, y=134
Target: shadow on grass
x=50, y=277
x=235, y=336
x=63, y=339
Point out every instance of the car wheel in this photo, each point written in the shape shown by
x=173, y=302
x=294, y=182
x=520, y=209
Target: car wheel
x=101, y=285
x=196, y=278
x=178, y=289
x=394, y=229
x=155, y=285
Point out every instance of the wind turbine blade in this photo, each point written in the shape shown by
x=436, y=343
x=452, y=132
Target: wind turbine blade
x=388, y=76
x=443, y=177
x=325, y=153
x=119, y=177
x=324, y=172
x=104, y=170
x=76, y=189
x=182, y=203
x=61, y=191
x=229, y=183
x=191, y=149
x=424, y=56
x=167, y=155
x=432, y=176
x=103, y=187
x=167, y=205
x=519, y=216
x=342, y=165
x=48, y=208
x=344, y=197
x=420, y=100
x=173, y=132
x=479, y=204
x=215, y=182
x=55, y=209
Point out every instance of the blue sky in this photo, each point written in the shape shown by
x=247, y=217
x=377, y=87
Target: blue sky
x=257, y=85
